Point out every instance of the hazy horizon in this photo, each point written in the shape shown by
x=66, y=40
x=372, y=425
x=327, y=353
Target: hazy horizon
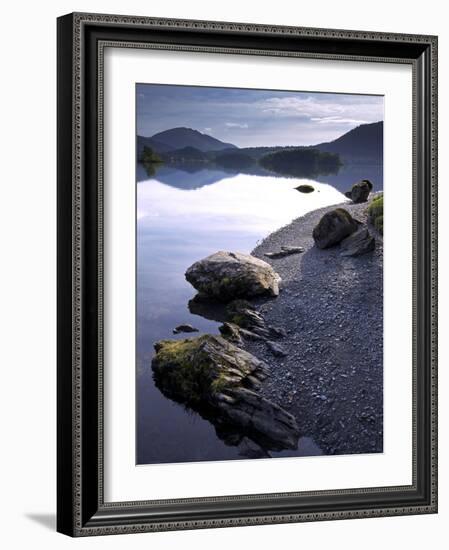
x=254, y=118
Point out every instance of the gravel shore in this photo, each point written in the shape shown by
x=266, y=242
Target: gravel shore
x=331, y=309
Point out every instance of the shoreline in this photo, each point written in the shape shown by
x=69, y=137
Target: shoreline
x=331, y=309
x=316, y=337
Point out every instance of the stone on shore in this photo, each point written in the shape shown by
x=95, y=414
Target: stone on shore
x=360, y=242
x=231, y=332
x=276, y=349
x=285, y=251
x=245, y=316
x=360, y=191
x=333, y=227
x=213, y=376
x=224, y=276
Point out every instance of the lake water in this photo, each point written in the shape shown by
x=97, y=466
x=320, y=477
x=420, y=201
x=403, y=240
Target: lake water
x=182, y=217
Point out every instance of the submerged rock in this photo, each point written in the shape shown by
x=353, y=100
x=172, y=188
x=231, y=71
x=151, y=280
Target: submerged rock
x=184, y=328
x=220, y=380
x=224, y=276
x=360, y=242
x=360, y=191
x=305, y=188
x=333, y=227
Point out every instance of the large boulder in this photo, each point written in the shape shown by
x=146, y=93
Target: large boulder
x=224, y=276
x=360, y=242
x=360, y=191
x=221, y=382
x=333, y=227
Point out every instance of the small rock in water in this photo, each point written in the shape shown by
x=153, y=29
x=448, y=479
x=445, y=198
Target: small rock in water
x=184, y=328
x=305, y=188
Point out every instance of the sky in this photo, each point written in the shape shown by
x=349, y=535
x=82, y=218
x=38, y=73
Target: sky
x=249, y=118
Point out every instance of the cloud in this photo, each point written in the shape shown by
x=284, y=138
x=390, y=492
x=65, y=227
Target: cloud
x=236, y=125
x=255, y=117
x=325, y=109
x=338, y=120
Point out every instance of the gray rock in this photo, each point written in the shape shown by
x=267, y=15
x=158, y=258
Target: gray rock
x=184, y=328
x=292, y=249
x=285, y=251
x=333, y=227
x=274, y=425
x=360, y=191
x=276, y=349
x=360, y=242
x=243, y=314
x=218, y=379
x=224, y=276
x=231, y=332
x=278, y=332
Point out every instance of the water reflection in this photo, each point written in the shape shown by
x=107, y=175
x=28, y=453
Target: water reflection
x=196, y=175
x=183, y=216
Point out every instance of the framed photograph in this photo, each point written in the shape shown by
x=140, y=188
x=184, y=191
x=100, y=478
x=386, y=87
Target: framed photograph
x=247, y=249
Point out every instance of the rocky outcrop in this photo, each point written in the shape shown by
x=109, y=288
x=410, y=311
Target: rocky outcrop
x=231, y=332
x=217, y=378
x=244, y=319
x=360, y=242
x=360, y=191
x=333, y=227
x=245, y=316
x=224, y=276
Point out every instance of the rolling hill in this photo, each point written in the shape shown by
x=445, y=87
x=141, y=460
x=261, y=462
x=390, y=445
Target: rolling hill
x=178, y=138
x=362, y=144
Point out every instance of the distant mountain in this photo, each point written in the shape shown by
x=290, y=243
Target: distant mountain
x=361, y=144
x=179, y=138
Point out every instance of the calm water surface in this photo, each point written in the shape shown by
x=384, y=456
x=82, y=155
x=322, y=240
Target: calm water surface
x=182, y=217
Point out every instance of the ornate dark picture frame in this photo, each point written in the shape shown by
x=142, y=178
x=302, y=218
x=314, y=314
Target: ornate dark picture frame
x=81, y=509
